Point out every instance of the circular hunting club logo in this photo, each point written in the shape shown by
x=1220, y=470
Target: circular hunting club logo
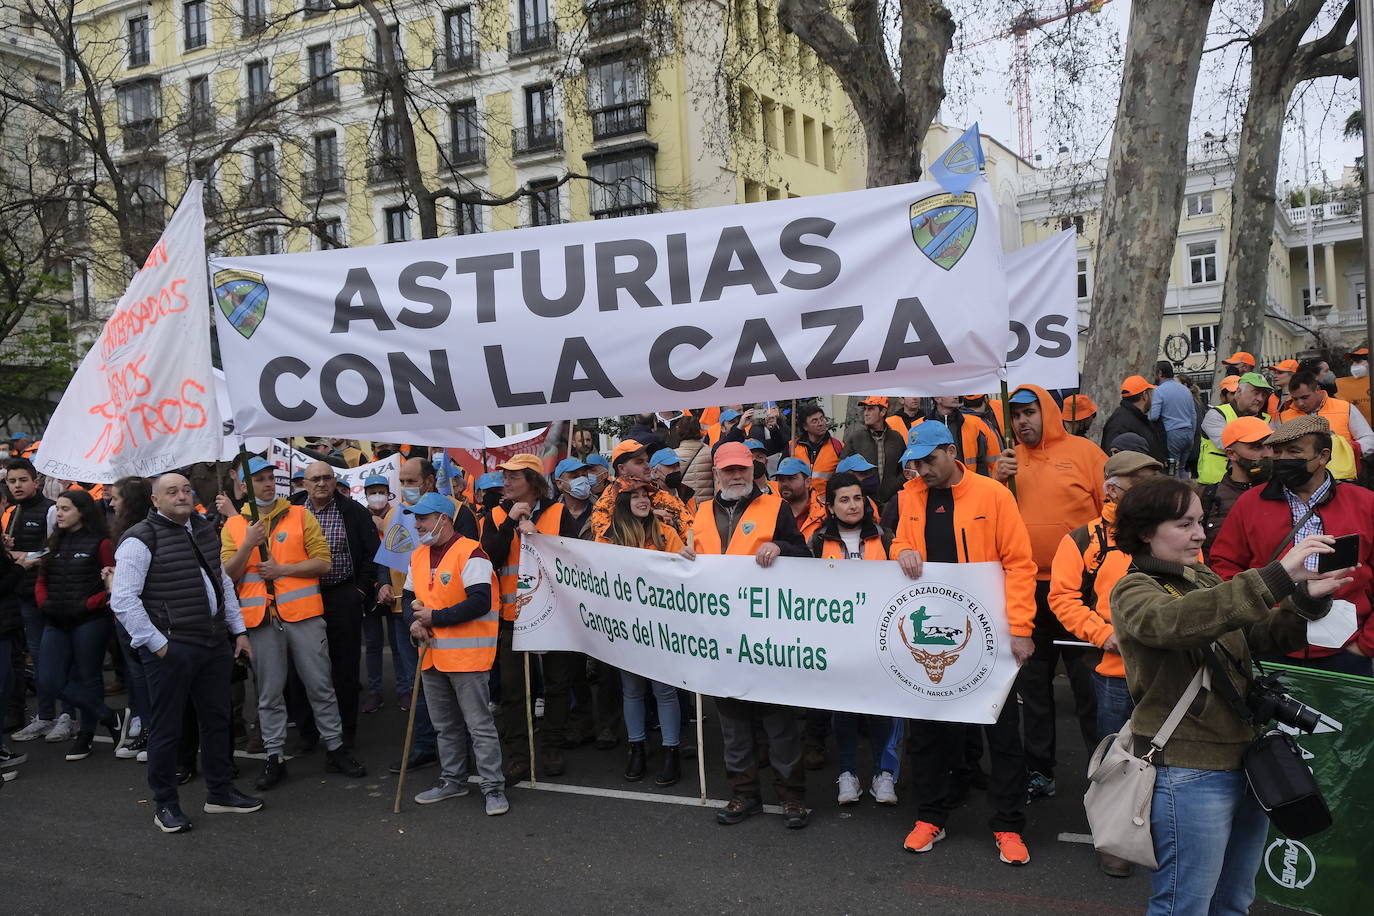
x=936, y=640
x=533, y=592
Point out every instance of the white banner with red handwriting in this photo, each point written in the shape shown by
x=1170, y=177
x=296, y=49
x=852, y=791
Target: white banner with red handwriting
x=143, y=399
x=850, y=635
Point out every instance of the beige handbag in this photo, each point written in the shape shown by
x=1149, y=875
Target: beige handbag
x=1121, y=786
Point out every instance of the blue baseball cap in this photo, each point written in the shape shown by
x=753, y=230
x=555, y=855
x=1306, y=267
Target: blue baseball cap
x=298, y=474
x=727, y=415
x=855, y=463
x=431, y=503
x=664, y=457
x=598, y=459
x=755, y=445
x=926, y=438
x=257, y=463
x=489, y=480
x=789, y=466
x=1023, y=396
x=14, y=436
x=376, y=480
x=567, y=465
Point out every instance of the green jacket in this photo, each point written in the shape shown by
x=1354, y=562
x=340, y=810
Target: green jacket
x=1160, y=637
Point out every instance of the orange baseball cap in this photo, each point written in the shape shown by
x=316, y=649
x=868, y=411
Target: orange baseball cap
x=874, y=400
x=1078, y=407
x=1133, y=385
x=1363, y=353
x=733, y=455
x=1244, y=429
x=1230, y=383
x=523, y=462
x=624, y=449
x=1240, y=358
x=1286, y=365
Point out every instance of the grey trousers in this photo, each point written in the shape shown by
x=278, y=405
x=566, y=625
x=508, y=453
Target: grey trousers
x=737, y=720
x=458, y=707
x=309, y=648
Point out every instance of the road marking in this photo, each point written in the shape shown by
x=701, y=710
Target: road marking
x=656, y=797
x=1076, y=838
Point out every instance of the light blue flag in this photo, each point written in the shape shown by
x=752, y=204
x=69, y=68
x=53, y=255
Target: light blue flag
x=398, y=542
x=960, y=165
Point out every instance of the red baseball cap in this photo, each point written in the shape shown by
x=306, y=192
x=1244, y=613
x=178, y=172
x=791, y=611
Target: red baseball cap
x=733, y=455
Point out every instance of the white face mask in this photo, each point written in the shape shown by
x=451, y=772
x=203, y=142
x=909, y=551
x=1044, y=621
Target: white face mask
x=376, y=500
x=1359, y=370
x=427, y=538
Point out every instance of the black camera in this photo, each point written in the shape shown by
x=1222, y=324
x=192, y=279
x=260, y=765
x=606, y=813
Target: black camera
x=1269, y=700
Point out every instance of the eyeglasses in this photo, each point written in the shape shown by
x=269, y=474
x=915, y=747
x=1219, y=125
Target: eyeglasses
x=319, y=479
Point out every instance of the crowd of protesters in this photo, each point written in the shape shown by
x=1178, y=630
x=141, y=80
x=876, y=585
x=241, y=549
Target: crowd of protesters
x=230, y=611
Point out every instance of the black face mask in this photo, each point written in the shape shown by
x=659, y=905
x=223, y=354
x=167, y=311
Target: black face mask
x=1259, y=470
x=760, y=469
x=491, y=498
x=673, y=480
x=1291, y=472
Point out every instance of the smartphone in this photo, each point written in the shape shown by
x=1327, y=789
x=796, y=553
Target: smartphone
x=1345, y=554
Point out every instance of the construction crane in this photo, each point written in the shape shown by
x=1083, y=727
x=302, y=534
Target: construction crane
x=1019, y=30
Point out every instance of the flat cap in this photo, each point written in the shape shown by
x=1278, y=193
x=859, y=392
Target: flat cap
x=1299, y=427
x=1128, y=463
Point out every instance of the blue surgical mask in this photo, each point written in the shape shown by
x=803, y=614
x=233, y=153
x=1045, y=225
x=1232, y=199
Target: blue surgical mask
x=427, y=538
x=580, y=488
x=264, y=503
x=410, y=495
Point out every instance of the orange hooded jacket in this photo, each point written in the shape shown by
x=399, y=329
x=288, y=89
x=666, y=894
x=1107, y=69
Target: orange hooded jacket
x=987, y=528
x=1086, y=559
x=1058, y=483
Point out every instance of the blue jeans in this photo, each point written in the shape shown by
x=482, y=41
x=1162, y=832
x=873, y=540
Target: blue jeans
x=1209, y=834
x=34, y=625
x=635, y=688
x=426, y=738
x=1179, y=443
x=1114, y=704
x=885, y=737
x=378, y=629
x=70, y=664
x=135, y=677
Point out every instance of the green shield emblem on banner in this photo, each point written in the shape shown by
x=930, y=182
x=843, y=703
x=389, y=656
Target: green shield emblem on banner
x=943, y=226
x=242, y=297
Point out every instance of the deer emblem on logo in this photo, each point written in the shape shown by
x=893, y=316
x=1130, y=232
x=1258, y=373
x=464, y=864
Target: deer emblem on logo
x=935, y=663
x=525, y=590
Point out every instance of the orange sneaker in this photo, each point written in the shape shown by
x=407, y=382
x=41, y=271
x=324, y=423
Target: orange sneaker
x=923, y=837
x=1011, y=849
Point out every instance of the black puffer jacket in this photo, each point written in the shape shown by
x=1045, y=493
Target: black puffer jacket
x=73, y=591
x=11, y=573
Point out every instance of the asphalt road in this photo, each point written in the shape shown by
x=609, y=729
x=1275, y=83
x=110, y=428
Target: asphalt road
x=78, y=838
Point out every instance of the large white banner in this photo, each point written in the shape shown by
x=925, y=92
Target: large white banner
x=288, y=461
x=883, y=288
x=850, y=635
x=1043, y=309
x=143, y=401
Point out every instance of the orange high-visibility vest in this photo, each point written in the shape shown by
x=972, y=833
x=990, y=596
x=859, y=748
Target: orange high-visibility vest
x=873, y=549
x=814, y=518
x=898, y=425
x=296, y=597
x=507, y=576
x=469, y=646
x=827, y=459
x=753, y=529
x=1336, y=411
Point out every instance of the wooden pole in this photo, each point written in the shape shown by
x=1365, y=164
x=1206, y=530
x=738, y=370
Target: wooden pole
x=256, y=517
x=1006, y=431
x=701, y=743
x=529, y=721
x=410, y=728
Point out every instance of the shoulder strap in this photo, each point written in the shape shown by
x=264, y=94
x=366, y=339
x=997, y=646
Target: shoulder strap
x=1283, y=541
x=1202, y=679
x=209, y=573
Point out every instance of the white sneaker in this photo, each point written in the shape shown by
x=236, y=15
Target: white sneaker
x=884, y=791
x=850, y=791
x=36, y=729
x=64, y=729
x=143, y=756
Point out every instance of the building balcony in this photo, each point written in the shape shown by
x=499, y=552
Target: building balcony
x=312, y=8
x=318, y=93
x=541, y=137
x=256, y=106
x=457, y=59
x=141, y=134
x=1318, y=213
x=386, y=170
x=639, y=209
x=197, y=122
x=252, y=24
x=259, y=194
x=533, y=38
x=467, y=151
x=320, y=182
x=613, y=17
x=619, y=120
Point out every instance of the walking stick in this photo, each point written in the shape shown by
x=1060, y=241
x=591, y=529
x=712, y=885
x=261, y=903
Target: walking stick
x=1006, y=432
x=410, y=728
x=701, y=742
x=262, y=548
x=529, y=720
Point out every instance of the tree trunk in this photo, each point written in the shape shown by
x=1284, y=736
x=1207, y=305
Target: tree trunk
x=1140, y=204
x=1253, y=203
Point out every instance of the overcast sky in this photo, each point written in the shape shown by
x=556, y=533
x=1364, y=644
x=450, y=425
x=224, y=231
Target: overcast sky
x=1074, y=92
